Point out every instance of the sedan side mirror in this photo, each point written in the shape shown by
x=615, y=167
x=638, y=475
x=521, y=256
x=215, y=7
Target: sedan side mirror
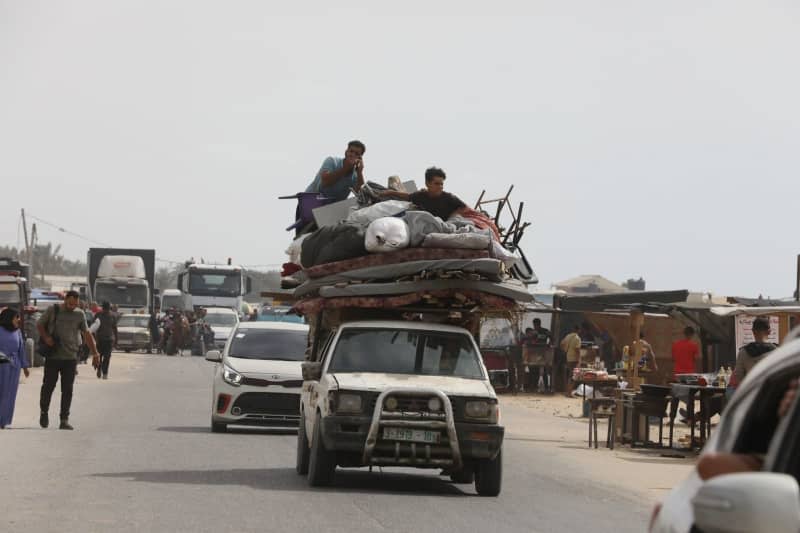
x=312, y=371
x=751, y=501
x=214, y=356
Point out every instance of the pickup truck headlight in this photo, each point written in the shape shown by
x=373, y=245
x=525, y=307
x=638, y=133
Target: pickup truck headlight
x=231, y=376
x=483, y=410
x=348, y=403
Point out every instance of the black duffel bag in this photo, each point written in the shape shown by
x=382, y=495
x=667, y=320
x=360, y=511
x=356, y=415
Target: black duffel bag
x=43, y=348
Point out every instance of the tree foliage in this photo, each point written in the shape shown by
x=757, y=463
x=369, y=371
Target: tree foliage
x=47, y=259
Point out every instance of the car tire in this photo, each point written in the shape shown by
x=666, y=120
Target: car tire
x=489, y=476
x=465, y=476
x=127, y=350
x=218, y=427
x=321, y=463
x=303, y=452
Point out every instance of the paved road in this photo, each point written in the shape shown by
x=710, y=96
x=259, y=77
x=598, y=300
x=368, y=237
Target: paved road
x=142, y=458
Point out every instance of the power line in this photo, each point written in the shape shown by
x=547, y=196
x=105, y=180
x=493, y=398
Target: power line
x=93, y=241
x=62, y=230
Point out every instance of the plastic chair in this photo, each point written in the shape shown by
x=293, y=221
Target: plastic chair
x=306, y=203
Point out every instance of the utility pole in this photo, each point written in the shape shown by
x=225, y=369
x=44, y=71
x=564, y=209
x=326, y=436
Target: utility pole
x=28, y=245
x=25, y=230
x=34, y=238
x=797, y=285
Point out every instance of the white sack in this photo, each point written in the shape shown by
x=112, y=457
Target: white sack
x=386, y=235
x=369, y=214
x=294, y=249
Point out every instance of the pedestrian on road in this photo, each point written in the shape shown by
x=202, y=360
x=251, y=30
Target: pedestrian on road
x=155, y=333
x=571, y=346
x=11, y=344
x=104, y=328
x=65, y=329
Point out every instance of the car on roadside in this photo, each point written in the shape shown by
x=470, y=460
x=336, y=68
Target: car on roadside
x=750, y=464
x=222, y=320
x=258, y=376
x=400, y=393
x=133, y=333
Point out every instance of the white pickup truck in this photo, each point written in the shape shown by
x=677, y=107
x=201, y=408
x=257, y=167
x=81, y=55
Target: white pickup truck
x=400, y=393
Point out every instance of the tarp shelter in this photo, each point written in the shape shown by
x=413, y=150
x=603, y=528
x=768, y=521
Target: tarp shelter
x=605, y=320
x=720, y=328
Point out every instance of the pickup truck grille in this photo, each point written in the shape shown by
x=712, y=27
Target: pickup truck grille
x=420, y=405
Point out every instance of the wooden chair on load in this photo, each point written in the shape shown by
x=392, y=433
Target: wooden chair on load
x=602, y=408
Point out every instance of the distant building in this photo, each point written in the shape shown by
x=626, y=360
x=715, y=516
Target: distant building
x=589, y=284
x=635, y=284
x=58, y=283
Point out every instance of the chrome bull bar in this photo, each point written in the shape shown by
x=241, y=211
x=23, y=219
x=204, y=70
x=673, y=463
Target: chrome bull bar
x=420, y=452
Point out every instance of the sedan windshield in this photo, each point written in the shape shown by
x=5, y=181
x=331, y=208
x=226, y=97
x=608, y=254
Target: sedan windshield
x=221, y=319
x=286, y=345
x=393, y=351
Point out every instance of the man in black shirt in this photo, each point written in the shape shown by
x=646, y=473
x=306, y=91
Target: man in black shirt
x=106, y=333
x=432, y=199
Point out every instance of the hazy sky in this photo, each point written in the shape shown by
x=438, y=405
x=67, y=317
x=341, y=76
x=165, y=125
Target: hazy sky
x=655, y=139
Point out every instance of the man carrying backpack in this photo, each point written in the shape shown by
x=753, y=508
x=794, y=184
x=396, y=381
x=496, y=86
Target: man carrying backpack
x=59, y=328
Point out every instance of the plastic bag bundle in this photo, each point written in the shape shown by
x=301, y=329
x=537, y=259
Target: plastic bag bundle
x=294, y=249
x=386, y=234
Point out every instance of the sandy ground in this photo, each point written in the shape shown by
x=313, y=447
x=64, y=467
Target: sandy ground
x=551, y=425
x=554, y=422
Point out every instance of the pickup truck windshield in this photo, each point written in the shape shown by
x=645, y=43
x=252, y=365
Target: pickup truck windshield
x=9, y=293
x=170, y=301
x=221, y=319
x=392, y=351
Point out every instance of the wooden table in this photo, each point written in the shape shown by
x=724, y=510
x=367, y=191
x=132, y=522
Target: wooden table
x=596, y=384
x=693, y=392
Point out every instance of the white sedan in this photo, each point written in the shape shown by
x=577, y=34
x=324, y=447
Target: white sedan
x=258, y=377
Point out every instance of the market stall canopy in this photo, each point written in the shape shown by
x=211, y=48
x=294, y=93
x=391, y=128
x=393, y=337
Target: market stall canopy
x=754, y=311
x=622, y=300
x=761, y=302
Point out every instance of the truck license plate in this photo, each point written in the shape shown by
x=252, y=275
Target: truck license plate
x=411, y=435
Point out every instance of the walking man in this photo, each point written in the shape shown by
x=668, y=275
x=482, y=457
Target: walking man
x=105, y=329
x=60, y=328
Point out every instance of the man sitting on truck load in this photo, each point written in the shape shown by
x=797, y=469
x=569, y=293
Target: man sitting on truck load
x=432, y=199
x=338, y=175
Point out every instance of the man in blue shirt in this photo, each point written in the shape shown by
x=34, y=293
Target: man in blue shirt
x=338, y=175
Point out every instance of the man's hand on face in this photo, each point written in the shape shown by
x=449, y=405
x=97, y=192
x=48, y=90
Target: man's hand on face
x=349, y=163
x=359, y=166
